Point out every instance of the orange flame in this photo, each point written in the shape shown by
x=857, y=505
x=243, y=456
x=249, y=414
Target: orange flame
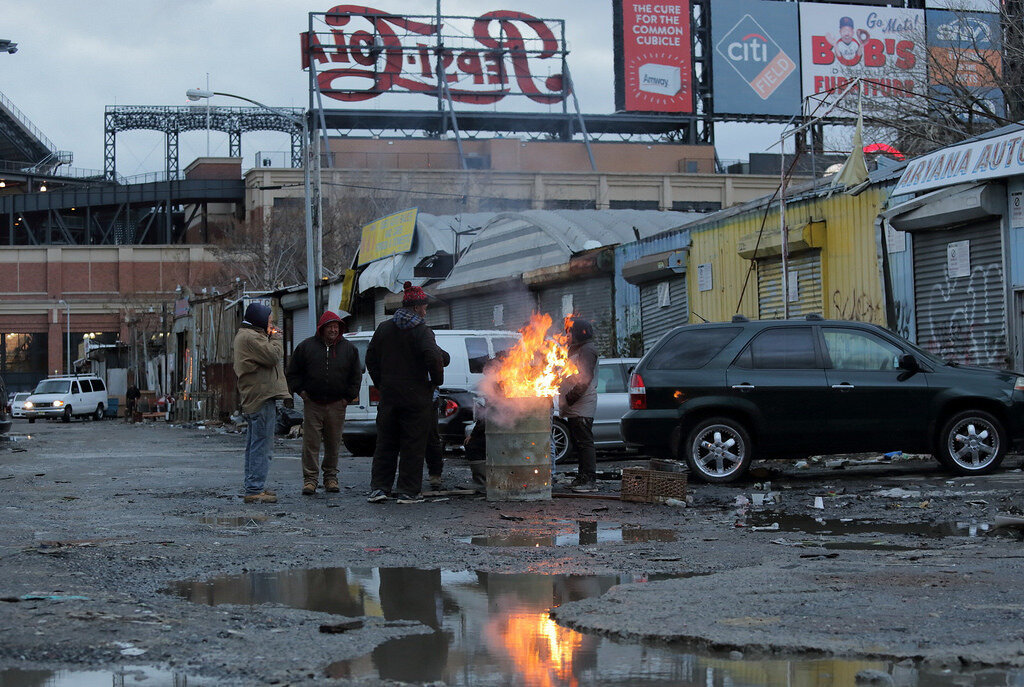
x=541, y=650
x=537, y=364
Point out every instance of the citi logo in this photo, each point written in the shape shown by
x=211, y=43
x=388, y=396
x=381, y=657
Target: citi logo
x=751, y=48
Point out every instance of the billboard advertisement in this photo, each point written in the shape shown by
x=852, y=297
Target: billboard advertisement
x=387, y=236
x=964, y=54
x=755, y=62
x=653, y=56
x=360, y=53
x=883, y=46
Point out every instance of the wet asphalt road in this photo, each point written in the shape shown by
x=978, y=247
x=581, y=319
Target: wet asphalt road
x=117, y=529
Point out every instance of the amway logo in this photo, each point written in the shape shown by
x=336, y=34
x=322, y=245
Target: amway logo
x=755, y=56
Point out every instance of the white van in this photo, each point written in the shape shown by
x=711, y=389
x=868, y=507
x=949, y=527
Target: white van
x=470, y=350
x=66, y=397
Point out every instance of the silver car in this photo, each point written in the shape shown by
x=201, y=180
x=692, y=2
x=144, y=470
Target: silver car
x=612, y=404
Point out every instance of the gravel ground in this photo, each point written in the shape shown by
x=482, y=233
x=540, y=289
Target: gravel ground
x=100, y=519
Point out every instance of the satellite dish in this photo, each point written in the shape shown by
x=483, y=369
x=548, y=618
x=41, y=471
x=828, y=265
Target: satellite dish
x=591, y=244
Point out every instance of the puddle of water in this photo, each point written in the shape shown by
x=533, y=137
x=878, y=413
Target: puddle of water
x=581, y=532
x=240, y=521
x=15, y=437
x=122, y=677
x=840, y=526
x=495, y=629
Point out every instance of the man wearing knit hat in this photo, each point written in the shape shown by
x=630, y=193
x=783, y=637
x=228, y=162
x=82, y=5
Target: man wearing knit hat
x=257, y=362
x=406, y=364
x=324, y=370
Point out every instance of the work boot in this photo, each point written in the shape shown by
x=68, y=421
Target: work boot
x=435, y=482
x=262, y=497
x=331, y=485
x=309, y=488
x=581, y=485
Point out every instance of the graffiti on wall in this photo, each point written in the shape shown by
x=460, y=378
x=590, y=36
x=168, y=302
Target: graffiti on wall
x=970, y=334
x=857, y=305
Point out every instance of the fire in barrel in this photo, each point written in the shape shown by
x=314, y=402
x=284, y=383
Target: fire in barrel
x=519, y=393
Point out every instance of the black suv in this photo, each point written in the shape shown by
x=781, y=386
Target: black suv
x=719, y=394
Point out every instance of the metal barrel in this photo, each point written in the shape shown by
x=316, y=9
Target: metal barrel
x=519, y=451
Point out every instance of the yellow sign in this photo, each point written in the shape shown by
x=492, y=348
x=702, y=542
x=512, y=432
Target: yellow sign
x=387, y=236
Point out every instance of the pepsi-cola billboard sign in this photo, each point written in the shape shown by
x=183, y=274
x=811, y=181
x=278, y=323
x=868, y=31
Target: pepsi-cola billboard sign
x=363, y=52
x=756, y=57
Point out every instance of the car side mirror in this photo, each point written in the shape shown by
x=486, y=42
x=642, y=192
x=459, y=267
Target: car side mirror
x=909, y=363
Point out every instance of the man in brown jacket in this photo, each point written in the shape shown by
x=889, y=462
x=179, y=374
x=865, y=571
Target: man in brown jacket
x=258, y=353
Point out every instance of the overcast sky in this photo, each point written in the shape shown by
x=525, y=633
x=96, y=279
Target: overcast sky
x=74, y=58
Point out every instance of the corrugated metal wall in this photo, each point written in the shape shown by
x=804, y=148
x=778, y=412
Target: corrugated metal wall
x=477, y=312
x=627, y=296
x=591, y=300
x=850, y=268
x=805, y=270
x=658, y=316
x=962, y=318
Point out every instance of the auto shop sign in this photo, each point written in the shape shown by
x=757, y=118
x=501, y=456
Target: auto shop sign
x=991, y=158
x=362, y=53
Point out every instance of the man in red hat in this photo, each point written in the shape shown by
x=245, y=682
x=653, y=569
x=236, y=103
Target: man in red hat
x=325, y=371
x=406, y=364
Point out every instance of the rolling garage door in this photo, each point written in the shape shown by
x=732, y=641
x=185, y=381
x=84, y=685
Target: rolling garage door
x=959, y=295
x=806, y=268
x=663, y=305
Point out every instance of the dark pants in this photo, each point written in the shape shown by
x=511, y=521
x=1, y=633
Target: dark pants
x=321, y=422
x=581, y=431
x=402, y=433
x=435, y=449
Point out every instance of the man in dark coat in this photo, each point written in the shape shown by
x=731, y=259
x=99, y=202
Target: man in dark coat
x=406, y=364
x=577, y=402
x=325, y=371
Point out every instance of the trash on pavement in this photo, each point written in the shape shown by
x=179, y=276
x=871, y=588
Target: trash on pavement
x=819, y=503
x=898, y=493
x=1008, y=521
x=338, y=628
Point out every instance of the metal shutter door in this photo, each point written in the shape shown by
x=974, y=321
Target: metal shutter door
x=591, y=298
x=655, y=320
x=963, y=318
x=807, y=267
x=301, y=329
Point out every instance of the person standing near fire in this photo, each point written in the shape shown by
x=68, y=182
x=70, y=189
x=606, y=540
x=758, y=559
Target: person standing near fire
x=407, y=365
x=324, y=370
x=577, y=402
x=258, y=353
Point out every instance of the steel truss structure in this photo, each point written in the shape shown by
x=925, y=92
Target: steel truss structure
x=172, y=120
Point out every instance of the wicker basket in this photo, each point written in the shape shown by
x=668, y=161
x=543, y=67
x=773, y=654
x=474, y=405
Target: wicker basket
x=652, y=486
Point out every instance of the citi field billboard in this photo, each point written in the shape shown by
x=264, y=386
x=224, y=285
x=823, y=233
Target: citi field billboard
x=755, y=62
x=884, y=46
x=653, y=65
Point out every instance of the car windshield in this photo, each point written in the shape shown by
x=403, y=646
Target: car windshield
x=53, y=386
x=20, y=397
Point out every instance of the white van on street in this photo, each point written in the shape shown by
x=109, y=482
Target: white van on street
x=469, y=349
x=67, y=397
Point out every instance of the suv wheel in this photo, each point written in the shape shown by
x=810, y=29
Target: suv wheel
x=98, y=415
x=718, y=450
x=66, y=417
x=972, y=443
x=561, y=443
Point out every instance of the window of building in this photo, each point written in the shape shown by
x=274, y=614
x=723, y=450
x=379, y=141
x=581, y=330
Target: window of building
x=696, y=206
x=633, y=204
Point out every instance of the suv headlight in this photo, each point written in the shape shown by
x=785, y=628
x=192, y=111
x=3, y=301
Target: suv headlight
x=57, y=404
x=28, y=404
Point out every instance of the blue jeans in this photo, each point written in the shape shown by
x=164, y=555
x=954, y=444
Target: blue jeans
x=259, y=445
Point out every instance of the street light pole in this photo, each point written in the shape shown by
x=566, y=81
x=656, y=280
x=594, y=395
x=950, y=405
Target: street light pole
x=198, y=94
x=67, y=311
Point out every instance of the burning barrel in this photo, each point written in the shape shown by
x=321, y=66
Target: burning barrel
x=519, y=450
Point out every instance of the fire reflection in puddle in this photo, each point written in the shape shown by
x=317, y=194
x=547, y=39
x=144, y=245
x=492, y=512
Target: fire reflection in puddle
x=494, y=629
x=565, y=533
